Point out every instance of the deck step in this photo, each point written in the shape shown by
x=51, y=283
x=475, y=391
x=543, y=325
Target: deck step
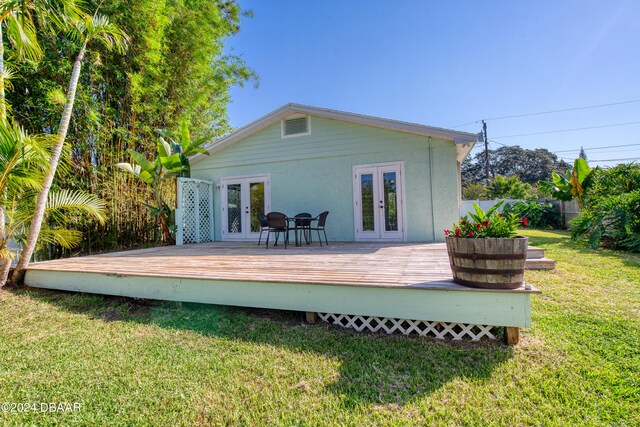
x=540, y=264
x=535, y=253
x=537, y=261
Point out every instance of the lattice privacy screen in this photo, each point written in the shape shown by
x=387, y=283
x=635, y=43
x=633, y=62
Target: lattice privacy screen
x=441, y=330
x=194, y=215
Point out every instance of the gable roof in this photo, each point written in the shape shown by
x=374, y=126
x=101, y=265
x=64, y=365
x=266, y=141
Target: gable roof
x=464, y=141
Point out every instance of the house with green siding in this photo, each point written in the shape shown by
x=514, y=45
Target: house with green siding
x=380, y=179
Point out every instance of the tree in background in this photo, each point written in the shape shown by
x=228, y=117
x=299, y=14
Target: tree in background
x=530, y=166
x=582, y=154
x=474, y=191
x=175, y=69
x=502, y=187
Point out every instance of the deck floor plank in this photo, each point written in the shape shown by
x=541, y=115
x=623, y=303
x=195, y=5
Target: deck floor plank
x=355, y=264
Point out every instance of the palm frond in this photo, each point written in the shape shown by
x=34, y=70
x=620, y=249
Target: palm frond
x=64, y=237
x=98, y=27
x=21, y=33
x=61, y=202
x=22, y=156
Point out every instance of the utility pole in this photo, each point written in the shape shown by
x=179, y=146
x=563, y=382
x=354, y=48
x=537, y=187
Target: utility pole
x=486, y=151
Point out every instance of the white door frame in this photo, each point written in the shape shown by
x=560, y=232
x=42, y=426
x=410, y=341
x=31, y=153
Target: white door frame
x=380, y=235
x=244, y=181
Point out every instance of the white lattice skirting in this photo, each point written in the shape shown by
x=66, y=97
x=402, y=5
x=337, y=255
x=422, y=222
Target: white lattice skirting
x=455, y=331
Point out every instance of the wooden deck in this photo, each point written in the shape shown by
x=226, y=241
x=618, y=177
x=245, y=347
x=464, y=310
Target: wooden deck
x=397, y=281
x=352, y=264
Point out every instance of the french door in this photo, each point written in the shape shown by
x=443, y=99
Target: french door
x=378, y=202
x=243, y=198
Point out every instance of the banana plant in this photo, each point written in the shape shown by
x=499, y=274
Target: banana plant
x=180, y=144
x=172, y=160
x=154, y=173
x=570, y=186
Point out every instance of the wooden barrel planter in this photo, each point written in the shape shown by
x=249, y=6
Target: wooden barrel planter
x=491, y=263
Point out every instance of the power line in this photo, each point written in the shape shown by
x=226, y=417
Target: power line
x=499, y=143
x=548, y=112
x=614, y=160
x=568, y=130
x=598, y=148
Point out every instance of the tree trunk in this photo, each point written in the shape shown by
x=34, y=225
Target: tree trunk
x=165, y=230
x=3, y=105
x=6, y=264
x=4, y=271
x=38, y=215
x=157, y=191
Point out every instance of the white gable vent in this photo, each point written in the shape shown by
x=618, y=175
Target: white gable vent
x=295, y=126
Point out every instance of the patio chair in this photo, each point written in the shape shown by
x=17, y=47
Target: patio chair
x=264, y=225
x=277, y=223
x=320, y=222
x=303, y=222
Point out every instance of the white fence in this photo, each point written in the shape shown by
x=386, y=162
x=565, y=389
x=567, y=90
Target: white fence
x=467, y=205
x=567, y=210
x=194, y=214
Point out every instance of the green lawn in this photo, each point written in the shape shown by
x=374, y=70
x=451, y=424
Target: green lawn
x=135, y=363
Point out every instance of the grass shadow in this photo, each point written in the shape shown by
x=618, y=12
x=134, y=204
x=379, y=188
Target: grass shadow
x=374, y=368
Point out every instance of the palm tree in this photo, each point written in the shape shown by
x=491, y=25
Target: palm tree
x=19, y=211
x=17, y=21
x=23, y=161
x=22, y=36
x=95, y=28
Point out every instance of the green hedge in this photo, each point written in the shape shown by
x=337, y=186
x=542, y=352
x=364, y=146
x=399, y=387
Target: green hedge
x=538, y=214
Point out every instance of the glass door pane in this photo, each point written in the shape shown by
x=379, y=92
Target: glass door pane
x=390, y=195
x=234, y=208
x=378, y=204
x=367, y=202
x=256, y=204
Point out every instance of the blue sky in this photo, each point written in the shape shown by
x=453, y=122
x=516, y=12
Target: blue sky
x=448, y=63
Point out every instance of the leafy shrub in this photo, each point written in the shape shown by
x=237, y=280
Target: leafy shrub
x=611, y=213
x=511, y=187
x=570, y=186
x=487, y=224
x=474, y=191
x=539, y=214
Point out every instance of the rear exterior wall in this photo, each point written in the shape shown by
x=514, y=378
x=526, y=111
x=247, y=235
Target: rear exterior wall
x=313, y=173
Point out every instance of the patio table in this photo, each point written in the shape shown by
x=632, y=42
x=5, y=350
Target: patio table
x=295, y=228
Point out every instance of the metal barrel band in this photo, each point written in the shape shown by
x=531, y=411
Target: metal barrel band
x=472, y=284
x=472, y=270
x=476, y=256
